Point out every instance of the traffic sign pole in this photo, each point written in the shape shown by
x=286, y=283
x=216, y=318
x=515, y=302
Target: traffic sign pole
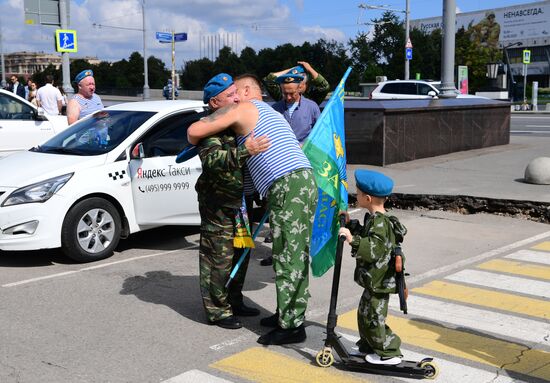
x=173, y=66
x=63, y=16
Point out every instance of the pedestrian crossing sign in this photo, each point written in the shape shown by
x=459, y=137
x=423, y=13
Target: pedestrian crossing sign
x=65, y=40
x=526, y=56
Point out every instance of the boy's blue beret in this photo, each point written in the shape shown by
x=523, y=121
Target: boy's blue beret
x=216, y=85
x=373, y=183
x=82, y=75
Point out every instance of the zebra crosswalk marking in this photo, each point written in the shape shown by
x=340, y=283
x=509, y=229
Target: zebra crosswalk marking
x=542, y=246
x=259, y=364
x=489, y=351
x=518, y=268
x=538, y=289
x=502, y=301
x=532, y=331
x=530, y=256
x=193, y=376
x=449, y=372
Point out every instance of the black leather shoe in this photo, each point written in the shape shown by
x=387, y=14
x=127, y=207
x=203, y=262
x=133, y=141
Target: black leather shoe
x=230, y=323
x=267, y=261
x=270, y=321
x=244, y=311
x=284, y=336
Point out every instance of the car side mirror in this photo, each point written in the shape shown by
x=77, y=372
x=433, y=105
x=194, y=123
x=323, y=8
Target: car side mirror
x=137, y=152
x=432, y=93
x=40, y=115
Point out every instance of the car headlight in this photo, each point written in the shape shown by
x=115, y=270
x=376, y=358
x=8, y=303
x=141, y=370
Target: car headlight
x=38, y=192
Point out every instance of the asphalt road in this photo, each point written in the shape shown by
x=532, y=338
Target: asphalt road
x=138, y=317
x=530, y=124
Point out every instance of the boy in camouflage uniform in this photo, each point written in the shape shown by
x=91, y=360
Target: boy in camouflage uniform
x=372, y=244
x=220, y=195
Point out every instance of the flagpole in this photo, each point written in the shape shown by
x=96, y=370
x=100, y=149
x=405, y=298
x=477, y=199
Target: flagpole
x=247, y=250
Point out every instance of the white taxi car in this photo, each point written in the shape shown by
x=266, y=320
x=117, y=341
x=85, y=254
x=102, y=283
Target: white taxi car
x=106, y=176
x=23, y=125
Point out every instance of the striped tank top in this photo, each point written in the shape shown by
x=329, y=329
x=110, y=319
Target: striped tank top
x=88, y=106
x=283, y=156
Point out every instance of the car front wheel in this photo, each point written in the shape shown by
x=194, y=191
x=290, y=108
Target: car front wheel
x=91, y=230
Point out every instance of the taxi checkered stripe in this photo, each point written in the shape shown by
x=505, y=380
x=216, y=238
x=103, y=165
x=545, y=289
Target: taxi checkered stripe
x=117, y=175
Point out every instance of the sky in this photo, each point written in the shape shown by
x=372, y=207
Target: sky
x=255, y=23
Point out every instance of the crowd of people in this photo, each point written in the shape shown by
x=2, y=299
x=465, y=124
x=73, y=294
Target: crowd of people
x=53, y=99
x=49, y=97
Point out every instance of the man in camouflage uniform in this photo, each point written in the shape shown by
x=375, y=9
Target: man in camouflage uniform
x=372, y=244
x=487, y=32
x=220, y=195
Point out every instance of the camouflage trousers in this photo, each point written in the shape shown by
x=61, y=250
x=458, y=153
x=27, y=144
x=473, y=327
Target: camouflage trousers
x=376, y=336
x=292, y=200
x=216, y=260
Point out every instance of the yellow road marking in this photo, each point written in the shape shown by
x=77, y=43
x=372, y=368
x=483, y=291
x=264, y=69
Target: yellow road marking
x=542, y=246
x=518, y=268
x=489, y=351
x=259, y=364
x=508, y=302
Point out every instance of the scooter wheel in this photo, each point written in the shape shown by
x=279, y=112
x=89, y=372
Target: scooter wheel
x=430, y=370
x=324, y=357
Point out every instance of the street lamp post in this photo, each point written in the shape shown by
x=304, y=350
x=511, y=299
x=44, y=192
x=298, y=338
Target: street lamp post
x=3, y=78
x=510, y=81
x=448, y=89
x=146, y=94
x=406, y=11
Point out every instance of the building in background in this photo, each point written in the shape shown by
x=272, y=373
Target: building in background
x=25, y=64
x=513, y=28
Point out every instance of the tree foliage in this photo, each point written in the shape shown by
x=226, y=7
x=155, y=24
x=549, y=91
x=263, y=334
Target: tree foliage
x=378, y=52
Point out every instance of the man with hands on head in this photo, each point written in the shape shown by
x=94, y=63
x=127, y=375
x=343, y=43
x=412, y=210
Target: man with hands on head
x=220, y=194
x=314, y=86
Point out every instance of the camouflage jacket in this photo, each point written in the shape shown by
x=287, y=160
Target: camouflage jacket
x=372, y=246
x=221, y=180
x=317, y=88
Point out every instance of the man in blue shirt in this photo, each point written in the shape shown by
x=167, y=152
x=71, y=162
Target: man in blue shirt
x=300, y=112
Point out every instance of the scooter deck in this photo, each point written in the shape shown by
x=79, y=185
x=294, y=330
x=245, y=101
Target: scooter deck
x=406, y=369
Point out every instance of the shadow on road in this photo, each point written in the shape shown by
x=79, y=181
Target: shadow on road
x=181, y=293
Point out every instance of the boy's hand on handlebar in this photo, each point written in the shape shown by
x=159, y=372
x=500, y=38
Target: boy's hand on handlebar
x=345, y=233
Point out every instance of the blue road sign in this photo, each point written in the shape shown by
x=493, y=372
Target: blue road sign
x=409, y=53
x=164, y=37
x=180, y=36
x=65, y=40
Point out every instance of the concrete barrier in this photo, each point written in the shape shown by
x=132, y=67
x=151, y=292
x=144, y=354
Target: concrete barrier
x=538, y=171
x=383, y=132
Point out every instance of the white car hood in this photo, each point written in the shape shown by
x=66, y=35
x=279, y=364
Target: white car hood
x=25, y=168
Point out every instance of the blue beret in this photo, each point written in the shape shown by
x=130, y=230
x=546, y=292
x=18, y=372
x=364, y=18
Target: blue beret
x=373, y=183
x=82, y=75
x=294, y=75
x=216, y=85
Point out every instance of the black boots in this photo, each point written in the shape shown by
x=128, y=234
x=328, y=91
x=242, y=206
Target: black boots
x=245, y=311
x=230, y=323
x=283, y=336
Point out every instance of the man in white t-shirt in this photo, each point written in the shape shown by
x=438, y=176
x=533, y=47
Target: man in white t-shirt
x=49, y=97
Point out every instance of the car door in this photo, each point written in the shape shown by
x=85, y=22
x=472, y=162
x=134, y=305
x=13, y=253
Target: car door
x=19, y=129
x=163, y=190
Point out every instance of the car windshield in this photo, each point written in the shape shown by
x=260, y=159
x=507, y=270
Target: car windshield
x=96, y=135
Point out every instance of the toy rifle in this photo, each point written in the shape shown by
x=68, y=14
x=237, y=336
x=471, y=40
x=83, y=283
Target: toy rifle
x=400, y=279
